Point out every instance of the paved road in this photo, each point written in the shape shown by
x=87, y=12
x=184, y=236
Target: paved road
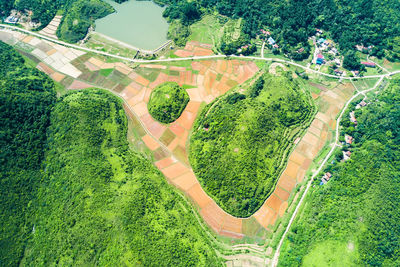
x=274, y=261
x=13, y=28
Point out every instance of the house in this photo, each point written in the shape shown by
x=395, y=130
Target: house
x=338, y=72
x=361, y=104
x=348, y=139
x=368, y=64
x=265, y=32
x=11, y=19
x=337, y=61
x=271, y=41
x=321, y=41
x=301, y=50
x=353, y=118
x=327, y=176
x=346, y=155
x=275, y=46
x=320, y=59
x=318, y=32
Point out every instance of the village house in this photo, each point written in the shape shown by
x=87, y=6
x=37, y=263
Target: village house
x=348, y=139
x=11, y=19
x=353, y=118
x=271, y=41
x=320, y=59
x=338, y=72
x=361, y=104
x=369, y=64
x=346, y=155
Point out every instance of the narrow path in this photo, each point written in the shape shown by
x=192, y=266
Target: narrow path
x=13, y=28
x=378, y=65
x=274, y=262
x=262, y=50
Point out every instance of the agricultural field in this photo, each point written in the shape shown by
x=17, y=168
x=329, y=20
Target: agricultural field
x=240, y=141
x=167, y=102
x=345, y=222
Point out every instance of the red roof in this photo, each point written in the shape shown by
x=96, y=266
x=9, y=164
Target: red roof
x=368, y=63
x=320, y=56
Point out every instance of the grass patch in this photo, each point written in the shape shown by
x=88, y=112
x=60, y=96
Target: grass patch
x=106, y=72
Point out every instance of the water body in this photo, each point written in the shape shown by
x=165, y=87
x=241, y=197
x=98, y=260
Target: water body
x=137, y=23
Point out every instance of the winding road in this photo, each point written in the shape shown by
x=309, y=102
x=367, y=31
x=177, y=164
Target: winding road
x=275, y=259
x=13, y=28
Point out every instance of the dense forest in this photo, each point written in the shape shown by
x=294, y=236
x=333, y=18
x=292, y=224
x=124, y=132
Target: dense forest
x=239, y=141
x=354, y=219
x=292, y=22
x=102, y=204
x=167, y=102
x=73, y=192
x=26, y=99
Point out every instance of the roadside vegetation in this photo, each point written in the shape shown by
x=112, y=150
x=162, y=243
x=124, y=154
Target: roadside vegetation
x=240, y=141
x=353, y=220
x=167, y=102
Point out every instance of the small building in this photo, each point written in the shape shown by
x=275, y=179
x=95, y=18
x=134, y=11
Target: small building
x=11, y=20
x=327, y=176
x=348, y=139
x=363, y=103
x=275, y=46
x=369, y=64
x=338, y=72
x=346, y=155
x=301, y=50
x=271, y=41
x=353, y=118
x=321, y=41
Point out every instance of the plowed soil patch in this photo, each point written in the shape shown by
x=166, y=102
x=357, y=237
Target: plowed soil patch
x=186, y=181
x=78, y=85
x=213, y=215
x=150, y=142
x=199, y=196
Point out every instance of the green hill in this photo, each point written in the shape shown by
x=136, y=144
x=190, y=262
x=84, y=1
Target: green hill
x=240, y=141
x=26, y=99
x=73, y=193
x=354, y=220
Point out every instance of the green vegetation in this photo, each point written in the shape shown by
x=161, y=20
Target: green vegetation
x=102, y=204
x=72, y=191
x=26, y=99
x=167, y=102
x=240, y=142
x=80, y=16
x=291, y=22
x=354, y=218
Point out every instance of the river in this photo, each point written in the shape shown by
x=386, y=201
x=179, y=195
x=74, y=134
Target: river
x=137, y=23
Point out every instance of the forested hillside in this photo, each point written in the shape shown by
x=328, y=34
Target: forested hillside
x=102, y=204
x=292, y=22
x=239, y=141
x=354, y=220
x=71, y=190
x=26, y=99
